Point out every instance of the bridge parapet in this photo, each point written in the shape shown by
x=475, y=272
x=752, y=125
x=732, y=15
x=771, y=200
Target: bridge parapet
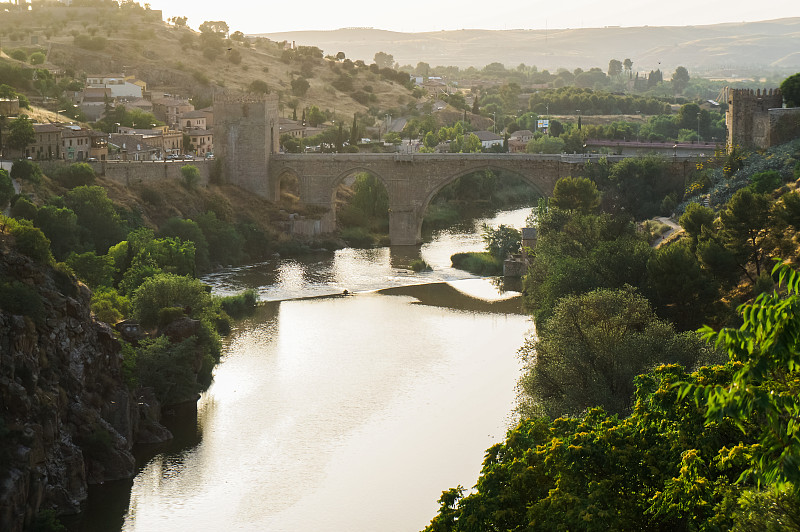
x=413, y=179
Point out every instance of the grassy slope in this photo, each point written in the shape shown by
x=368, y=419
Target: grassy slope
x=170, y=59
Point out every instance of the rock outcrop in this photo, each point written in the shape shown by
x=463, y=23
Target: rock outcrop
x=67, y=417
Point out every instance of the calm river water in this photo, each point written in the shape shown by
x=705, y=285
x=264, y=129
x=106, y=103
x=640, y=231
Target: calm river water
x=338, y=413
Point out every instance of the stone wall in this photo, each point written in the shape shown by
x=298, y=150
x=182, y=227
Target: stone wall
x=140, y=172
x=784, y=125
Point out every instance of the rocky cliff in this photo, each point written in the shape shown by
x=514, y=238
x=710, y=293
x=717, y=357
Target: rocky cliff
x=67, y=417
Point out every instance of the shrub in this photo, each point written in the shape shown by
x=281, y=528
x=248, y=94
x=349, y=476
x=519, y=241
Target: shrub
x=240, y=305
x=37, y=58
x=32, y=242
x=167, y=315
x=151, y=196
x=27, y=170
x=190, y=176
x=764, y=182
x=93, y=269
x=419, y=265
x=24, y=209
x=6, y=188
x=478, y=263
x=168, y=290
x=75, y=175
x=109, y=306
x=21, y=299
x=357, y=237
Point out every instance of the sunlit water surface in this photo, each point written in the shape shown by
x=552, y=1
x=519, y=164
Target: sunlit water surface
x=344, y=413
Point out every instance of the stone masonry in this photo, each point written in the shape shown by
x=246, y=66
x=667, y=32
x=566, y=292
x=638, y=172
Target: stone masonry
x=246, y=134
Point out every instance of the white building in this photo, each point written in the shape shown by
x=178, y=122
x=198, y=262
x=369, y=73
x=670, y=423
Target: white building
x=121, y=87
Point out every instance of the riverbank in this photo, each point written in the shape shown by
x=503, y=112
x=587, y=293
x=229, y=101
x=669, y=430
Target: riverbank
x=365, y=403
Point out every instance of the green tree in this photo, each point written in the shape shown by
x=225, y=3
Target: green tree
x=764, y=182
x=76, y=175
x=764, y=392
x=37, y=58
x=384, y=60
x=588, y=353
x=471, y=143
x=60, y=225
x=502, y=241
x=168, y=290
x=258, y=86
x=190, y=176
x=26, y=170
x=614, y=68
x=745, y=223
x=216, y=27
x=790, y=89
x=575, y=193
x=300, y=86
x=315, y=116
x=370, y=196
x=680, y=79
x=21, y=133
x=695, y=218
x=101, y=225
x=6, y=188
x=545, y=144
x=93, y=269
x=679, y=288
x=188, y=231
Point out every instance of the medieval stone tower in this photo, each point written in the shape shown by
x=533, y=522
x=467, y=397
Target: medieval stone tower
x=748, y=117
x=246, y=133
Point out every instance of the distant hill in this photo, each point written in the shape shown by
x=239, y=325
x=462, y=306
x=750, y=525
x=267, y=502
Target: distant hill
x=725, y=48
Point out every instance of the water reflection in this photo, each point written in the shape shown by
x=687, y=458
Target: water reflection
x=337, y=413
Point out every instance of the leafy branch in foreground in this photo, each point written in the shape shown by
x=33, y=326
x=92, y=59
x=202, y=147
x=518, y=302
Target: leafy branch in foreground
x=764, y=389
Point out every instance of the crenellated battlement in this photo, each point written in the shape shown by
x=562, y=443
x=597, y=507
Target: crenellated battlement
x=748, y=117
x=239, y=98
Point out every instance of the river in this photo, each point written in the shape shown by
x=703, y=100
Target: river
x=338, y=412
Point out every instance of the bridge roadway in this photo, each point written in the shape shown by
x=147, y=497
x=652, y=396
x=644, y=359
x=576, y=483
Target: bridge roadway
x=412, y=180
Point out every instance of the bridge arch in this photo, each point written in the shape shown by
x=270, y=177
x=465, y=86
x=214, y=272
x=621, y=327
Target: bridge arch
x=340, y=178
x=532, y=181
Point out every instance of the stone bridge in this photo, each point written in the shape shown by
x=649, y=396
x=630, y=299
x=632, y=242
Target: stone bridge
x=412, y=180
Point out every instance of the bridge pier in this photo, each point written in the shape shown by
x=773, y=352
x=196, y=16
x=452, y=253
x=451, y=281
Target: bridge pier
x=404, y=226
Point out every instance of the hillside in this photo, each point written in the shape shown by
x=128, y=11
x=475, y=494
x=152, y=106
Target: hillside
x=728, y=48
x=177, y=60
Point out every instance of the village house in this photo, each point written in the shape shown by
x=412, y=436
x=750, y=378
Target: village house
x=293, y=128
x=169, y=109
x=119, y=85
x=80, y=144
x=167, y=141
x=92, y=102
x=132, y=147
x=522, y=135
x=193, y=120
x=47, y=144
x=488, y=139
x=201, y=141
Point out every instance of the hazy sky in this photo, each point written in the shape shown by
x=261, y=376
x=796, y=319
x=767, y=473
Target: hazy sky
x=430, y=15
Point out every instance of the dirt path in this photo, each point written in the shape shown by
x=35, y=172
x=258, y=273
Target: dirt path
x=673, y=227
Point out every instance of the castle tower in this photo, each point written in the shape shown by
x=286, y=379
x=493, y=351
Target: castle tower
x=748, y=116
x=246, y=133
